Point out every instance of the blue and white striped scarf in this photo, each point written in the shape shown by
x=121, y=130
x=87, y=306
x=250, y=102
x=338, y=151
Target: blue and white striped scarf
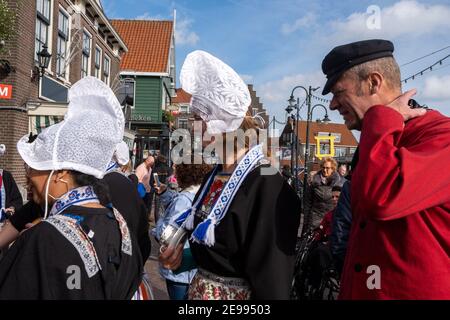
x=204, y=233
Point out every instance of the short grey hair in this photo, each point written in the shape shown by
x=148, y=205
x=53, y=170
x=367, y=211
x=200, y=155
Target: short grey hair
x=387, y=67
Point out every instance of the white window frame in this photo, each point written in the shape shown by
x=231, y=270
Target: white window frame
x=180, y=120
x=100, y=64
x=184, y=106
x=83, y=54
x=108, y=80
x=65, y=65
x=47, y=21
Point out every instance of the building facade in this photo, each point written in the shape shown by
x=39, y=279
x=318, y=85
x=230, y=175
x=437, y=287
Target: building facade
x=148, y=70
x=81, y=41
x=345, y=143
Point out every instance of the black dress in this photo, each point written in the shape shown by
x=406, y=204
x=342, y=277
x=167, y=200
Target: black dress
x=125, y=199
x=51, y=261
x=13, y=196
x=256, y=238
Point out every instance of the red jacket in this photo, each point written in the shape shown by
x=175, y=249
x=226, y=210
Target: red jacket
x=400, y=199
x=324, y=231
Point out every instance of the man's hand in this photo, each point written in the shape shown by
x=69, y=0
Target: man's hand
x=401, y=106
x=171, y=257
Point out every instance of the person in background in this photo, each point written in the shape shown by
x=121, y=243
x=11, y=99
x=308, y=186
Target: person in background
x=143, y=173
x=340, y=227
x=10, y=197
x=342, y=170
x=189, y=177
x=318, y=198
x=163, y=171
x=320, y=259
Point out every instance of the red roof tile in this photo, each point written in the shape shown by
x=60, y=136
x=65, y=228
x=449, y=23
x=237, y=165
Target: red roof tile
x=148, y=44
x=347, y=138
x=182, y=97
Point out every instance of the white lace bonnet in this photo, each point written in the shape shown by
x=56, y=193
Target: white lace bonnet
x=122, y=153
x=87, y=137
x=219, y=95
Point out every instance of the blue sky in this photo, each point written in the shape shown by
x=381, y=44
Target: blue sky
x=279, y=44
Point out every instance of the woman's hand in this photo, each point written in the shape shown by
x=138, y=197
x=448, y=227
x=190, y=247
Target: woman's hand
x=171, y=257
x=160, y=189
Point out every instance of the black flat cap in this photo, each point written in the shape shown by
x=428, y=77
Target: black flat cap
x=342, y=58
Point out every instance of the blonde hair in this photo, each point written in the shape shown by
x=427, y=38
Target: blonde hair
x=251, y=129
x=330, y=160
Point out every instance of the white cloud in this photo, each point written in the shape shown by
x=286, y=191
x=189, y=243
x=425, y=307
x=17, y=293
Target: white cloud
x=247, y=78
x=304, y=22
x=147, y=16
x=183, y=33
x=437, y=88
x=277, y=92
x=404, y=18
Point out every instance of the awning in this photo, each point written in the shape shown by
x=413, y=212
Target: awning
x=37, y=123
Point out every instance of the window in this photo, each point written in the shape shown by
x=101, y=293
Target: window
x=182, y=123
x=340, y=151
x=337, y=136
x=352, y=150
x=184, y=109
x=98, y=59
x=254, y=111
x=86, y=52
x=125, y=92
x=106, y=70
x=42, y=26
x=63, y=38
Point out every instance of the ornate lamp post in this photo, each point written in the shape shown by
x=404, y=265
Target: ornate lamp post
x=295, y=104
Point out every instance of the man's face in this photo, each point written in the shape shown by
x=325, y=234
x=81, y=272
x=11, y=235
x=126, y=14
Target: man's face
x=342, y=170
x=335, y=197
x=350, y=100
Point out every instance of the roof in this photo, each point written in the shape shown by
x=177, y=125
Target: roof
x=148, y=43
x=182, y=97
x=347, y=138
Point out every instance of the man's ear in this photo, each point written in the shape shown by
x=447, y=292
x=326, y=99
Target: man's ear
x=375, y=81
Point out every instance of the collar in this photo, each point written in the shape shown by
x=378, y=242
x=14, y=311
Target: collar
x=77, y=196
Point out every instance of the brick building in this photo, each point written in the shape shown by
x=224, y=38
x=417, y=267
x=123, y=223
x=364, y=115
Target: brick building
x=81, y=41
x=345, y=143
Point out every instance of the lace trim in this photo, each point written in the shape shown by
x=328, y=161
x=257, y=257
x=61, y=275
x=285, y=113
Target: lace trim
x=70, y=229
x=125, y=232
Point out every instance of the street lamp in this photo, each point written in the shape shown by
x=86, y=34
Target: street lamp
x=294, y=104
x=43, y=60
x=325, y=120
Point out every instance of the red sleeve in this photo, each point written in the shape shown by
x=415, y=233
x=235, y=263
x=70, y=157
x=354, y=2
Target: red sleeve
x=393, y=181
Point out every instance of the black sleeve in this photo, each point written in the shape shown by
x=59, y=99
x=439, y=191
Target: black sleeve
x=13, y=196
x=271, y=238
x=36, y=268
x=26, y=214
x=125, y=198
x=134, y=179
